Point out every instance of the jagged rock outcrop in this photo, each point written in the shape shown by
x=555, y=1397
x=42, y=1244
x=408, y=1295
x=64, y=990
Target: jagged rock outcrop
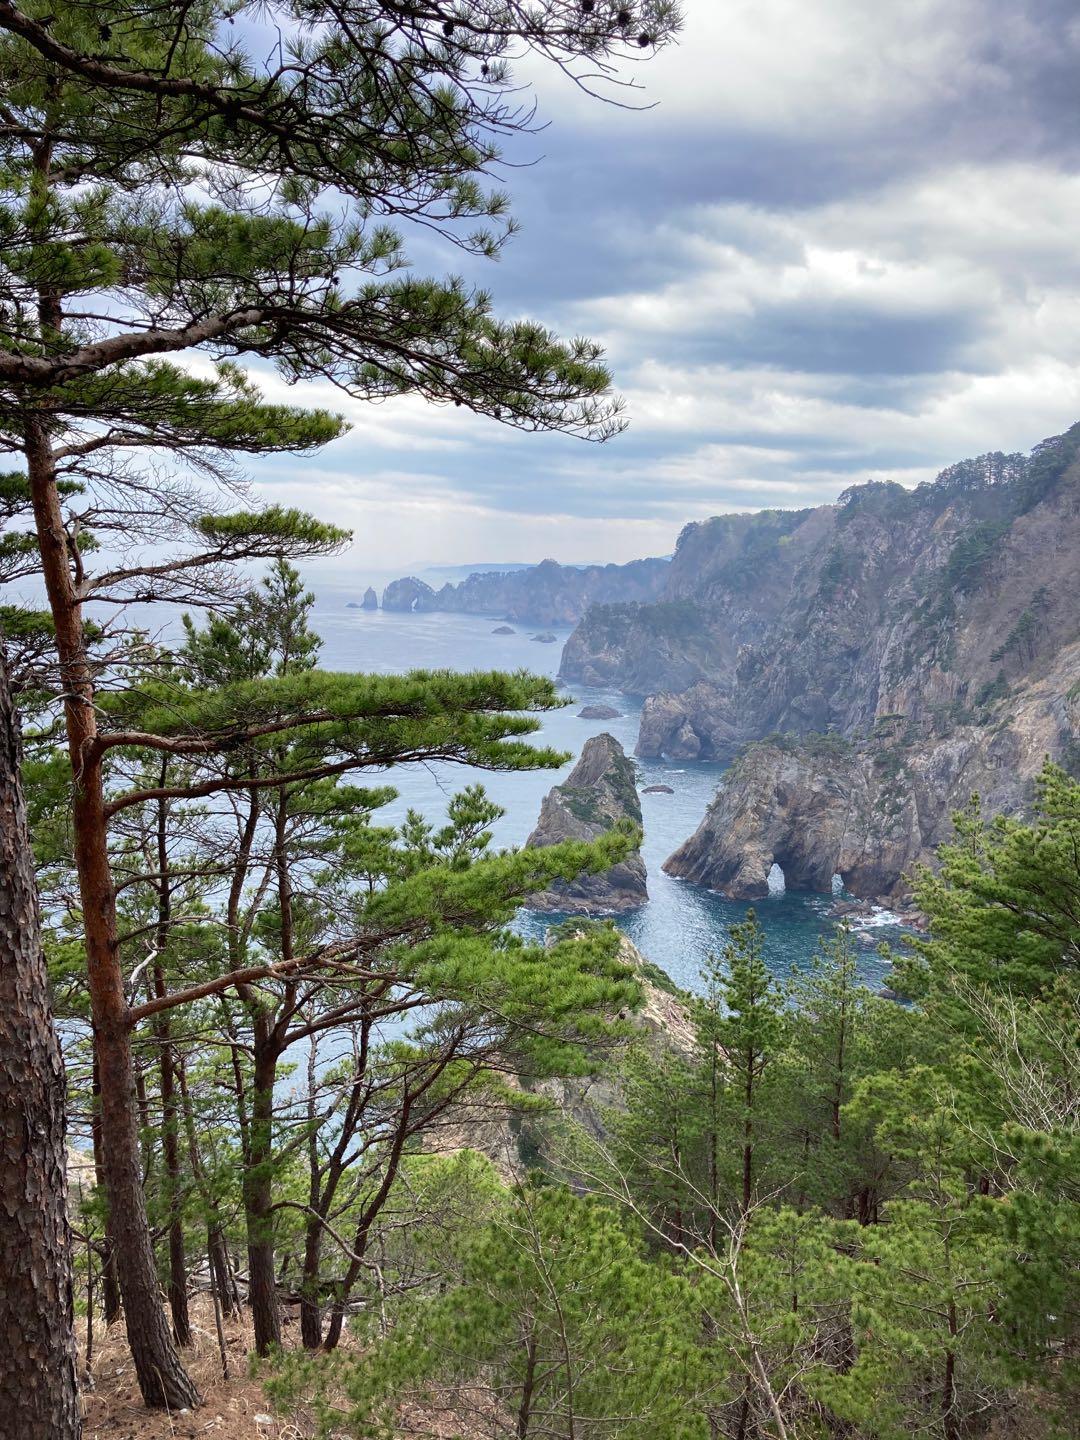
x=407, y=595
x=690, y=726
x=549, y=593
x=663, y=1022
x=599, y=792
x=945, y=615
x=871, y=810
x=931, y=603
x=371, y=600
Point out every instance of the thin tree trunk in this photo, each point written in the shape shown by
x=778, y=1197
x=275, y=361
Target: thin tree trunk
x=110, y=1286
x=527, y=1385
x=38, y=1378
x=170, y=1109
x=216, y=1248
x=259, y=1198
x=748, y=1132
x=162, y=1378
x=310, y=1300
x=215, y=1296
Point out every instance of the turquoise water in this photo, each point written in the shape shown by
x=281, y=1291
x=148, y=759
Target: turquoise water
x=682, y=923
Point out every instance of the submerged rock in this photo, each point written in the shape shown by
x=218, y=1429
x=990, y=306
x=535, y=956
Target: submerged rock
x=599, y=792
x=658, y=790
x=599, y=712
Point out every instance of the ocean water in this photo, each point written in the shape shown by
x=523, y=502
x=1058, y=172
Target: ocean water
x=682, y=923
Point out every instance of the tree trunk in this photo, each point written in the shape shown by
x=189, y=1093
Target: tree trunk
x=528, y=1384
x=259, y=1198
x=170, y=1108
x=216, y=1248
x=110, y=1286
x=310, y=1305
x=39, y=1397
x=162, y=1379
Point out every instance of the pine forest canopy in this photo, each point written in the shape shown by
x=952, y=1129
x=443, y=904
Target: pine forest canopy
x=169, y=197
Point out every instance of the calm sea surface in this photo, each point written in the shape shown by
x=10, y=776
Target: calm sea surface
x=681, y=923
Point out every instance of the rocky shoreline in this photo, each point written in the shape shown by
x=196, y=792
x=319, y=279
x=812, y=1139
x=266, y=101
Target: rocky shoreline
x=869, y=664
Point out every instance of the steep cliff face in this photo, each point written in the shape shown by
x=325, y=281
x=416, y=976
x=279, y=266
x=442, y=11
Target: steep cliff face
x=936, y=630
x=406, y=595
x=932, y=604
x=871, y=810
x=544, y=594
x=599, y=792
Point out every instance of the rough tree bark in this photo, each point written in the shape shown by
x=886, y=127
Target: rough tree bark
x=38, y=1381
x=259, y=1197
x=162, y=1378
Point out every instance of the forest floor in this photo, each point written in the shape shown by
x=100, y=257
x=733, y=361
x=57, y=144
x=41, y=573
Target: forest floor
x=232, y=1409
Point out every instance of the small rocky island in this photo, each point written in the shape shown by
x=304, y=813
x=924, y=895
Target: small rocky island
x=545, y=637
x=504, y=630
x=409, y=594
x=371, y=600
x=599, y=712
x=599, y=792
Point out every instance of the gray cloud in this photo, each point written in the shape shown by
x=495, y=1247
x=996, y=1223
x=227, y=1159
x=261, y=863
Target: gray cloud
x=843, y=245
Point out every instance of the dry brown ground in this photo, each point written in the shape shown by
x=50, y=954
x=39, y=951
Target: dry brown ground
x=233, y=1409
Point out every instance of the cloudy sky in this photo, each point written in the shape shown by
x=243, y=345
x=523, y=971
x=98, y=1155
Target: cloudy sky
x=844, y=243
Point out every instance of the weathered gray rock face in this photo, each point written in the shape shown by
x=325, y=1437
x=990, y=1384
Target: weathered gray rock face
x=937, y=629
x=931, y=603
x=371, y=600
x=599, y=792
x=872, y=810
x=404, y=596
x=690, y=726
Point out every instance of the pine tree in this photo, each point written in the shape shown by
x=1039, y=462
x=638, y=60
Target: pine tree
x=1004, y=908
x=38, y=1387
x=745, y=1029
x=114, y=260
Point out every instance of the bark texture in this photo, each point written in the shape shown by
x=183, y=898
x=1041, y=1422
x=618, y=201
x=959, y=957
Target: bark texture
x=38, y=1381
x=162, y=1379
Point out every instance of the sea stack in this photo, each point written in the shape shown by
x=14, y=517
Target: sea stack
x=371, y=600
x=600, y=791
x=404, y=596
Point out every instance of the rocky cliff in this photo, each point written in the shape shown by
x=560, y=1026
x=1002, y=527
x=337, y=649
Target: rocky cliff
x=919, y=602
x=871, y=809
x=663, y=1024
x=948, y=615
x=599, y=792
x=408, y=594
x=544, y=594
